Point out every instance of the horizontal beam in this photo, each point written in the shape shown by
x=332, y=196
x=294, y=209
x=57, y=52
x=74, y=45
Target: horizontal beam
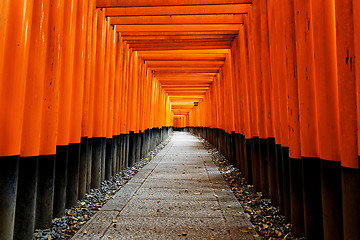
x=180, y=56
x=181, y=112
x=179, y=102
x=176, y=44
x=186, y=85
x=185, y=99
x=184, y=82
x=183, y=77
x=195, y=70
x=179, y=19
x=205, y=77
x=178, y=28
x=186, y=89
x=177, y=10
x=193, y=95
x=170, y=58
x=193, y=51
x=180, y=48
x=178, y=37
x=141, y=3
x=184, y=63
x=171, y=33
x=207, y=41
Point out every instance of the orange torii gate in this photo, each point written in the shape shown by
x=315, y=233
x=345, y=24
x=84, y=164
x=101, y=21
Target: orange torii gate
x=88, y=87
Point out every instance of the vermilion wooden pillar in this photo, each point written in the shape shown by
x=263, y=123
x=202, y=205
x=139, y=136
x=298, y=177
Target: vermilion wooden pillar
x=30, y=142
x=296, y=185
x=260, y=92
x=99, y=96
x=328, y=115
x=308, y=120
x=86, y=149
x=348, y=87
x=16, y=30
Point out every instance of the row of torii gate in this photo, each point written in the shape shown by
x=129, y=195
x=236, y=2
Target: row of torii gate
x=87, y=87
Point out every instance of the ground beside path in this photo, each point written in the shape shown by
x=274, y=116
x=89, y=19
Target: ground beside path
x=180, y=194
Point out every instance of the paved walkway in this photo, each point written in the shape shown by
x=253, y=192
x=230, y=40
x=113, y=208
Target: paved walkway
x=180, y=194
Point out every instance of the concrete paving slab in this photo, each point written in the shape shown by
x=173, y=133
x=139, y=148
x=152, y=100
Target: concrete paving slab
x=172, y=208
x=97, y=226
x=199, y=194
x=179, y=183
x=168, y=228
x=180, y=194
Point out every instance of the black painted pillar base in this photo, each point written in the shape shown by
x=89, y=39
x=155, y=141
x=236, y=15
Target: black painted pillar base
x=151, y=139
x=312, y=199
x=237, y=151
x=116, y=155
x=217, y=140
x=127, y=148
x=351, y=199
x=132, y=148
x=148, y=140
x=60, y=181
x=264, y=167
x=286, y=183
x=242, y=152
x=279, y=177
x=142, y=145
x=8, y=189
x=103, y=161
x=223, y=143
x=26, y=198
x=96, y=162
x=145, y=143
x=122, y=152
x=331, y=199
x=138, y=147
x=83, y=167
x=248, y=161
x=296, y=197
x=72, y=185
x=233, y=148
x=108, y=158
x=89, y=163
x=273, y=194
x=45, y=192
x=256, y=163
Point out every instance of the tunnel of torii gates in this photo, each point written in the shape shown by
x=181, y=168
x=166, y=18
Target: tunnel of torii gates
x=88, y=87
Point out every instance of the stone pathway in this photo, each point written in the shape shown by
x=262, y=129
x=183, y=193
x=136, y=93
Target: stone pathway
x=180, y=194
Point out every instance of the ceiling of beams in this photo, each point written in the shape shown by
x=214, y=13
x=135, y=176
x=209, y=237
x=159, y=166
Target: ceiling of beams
x=184, y=42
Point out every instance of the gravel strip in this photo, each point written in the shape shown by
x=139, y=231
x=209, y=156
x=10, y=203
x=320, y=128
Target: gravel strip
x=74, y=218
x=267, y=220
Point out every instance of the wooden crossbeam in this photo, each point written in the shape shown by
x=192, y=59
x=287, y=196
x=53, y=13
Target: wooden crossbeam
x=181, y=48
x=172, y=33
x=186, y=85
x=192, y=51
x=184, y=98
x=130, y=38
x=178, y=28
x=142, y=3
x=178, y=10
x=176, y=42
x=183, y=63
x=195, y=70
x=190, y=89
x=179, y=19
